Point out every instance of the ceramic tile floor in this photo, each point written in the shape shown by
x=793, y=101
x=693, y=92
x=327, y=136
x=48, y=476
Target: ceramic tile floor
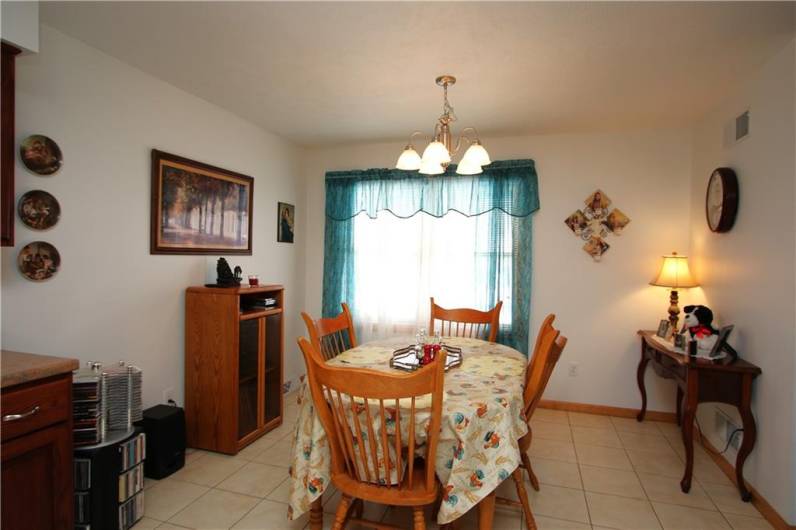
x=596, y=472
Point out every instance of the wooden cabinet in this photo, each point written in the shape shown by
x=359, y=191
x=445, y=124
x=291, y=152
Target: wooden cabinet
x=7, y=98
x=37, y=455
x=233, y=365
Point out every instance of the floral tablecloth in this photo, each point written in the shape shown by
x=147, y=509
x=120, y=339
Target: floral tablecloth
x=481, y=423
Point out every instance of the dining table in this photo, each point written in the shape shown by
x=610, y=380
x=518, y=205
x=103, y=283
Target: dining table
x=482, y=420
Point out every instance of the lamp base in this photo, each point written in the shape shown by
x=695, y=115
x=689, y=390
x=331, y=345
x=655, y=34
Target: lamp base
x=674, y=310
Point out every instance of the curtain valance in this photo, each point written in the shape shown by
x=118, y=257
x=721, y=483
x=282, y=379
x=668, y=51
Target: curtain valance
x=507, y=185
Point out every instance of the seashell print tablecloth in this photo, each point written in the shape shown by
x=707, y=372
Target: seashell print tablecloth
x=481, y=423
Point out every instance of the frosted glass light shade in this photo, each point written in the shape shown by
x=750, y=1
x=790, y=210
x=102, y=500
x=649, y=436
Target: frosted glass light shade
x=409, y=159
x=477, y=154
x=430, y=168
x=468, y=167
x=674, y=273
x=436, y=153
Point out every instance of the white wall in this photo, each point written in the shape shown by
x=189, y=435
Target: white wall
x=748, y=273
x=111, y=299
x=599, y=306
x=19, y=24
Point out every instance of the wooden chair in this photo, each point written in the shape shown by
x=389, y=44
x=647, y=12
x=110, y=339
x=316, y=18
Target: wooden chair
x=367, y=462
x=549, y=345
x=482, y=324
x=332, y=336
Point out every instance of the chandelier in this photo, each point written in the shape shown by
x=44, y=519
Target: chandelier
x=439, y=152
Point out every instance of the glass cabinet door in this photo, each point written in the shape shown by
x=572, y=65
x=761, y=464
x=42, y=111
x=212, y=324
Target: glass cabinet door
x=248, y=372
x=273, y=367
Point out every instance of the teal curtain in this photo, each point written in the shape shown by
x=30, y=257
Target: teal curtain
x=506, y=192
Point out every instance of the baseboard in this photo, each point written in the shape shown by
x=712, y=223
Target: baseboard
x=769, y=513
x=605, y=410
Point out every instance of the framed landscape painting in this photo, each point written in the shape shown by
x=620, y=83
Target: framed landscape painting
x=198, y=208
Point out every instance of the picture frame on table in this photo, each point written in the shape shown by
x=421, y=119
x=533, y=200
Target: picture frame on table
x=664, y=329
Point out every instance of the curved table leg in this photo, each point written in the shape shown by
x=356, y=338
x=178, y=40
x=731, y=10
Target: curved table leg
x=642, y=366
x=679, y=405
x=689, y=413
x=749, y=438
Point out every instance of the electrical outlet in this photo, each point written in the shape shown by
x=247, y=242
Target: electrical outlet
x=168, y=394
x=573, y=369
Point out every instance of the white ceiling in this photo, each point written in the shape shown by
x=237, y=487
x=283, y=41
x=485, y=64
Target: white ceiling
x=329, y=72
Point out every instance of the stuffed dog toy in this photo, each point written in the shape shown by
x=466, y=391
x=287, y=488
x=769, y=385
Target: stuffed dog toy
x=699, y=324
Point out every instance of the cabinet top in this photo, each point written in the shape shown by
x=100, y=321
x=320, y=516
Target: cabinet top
x=19, y=367
x=235, y=291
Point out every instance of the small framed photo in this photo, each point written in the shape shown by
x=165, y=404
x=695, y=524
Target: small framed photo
x=680, y=341
x=285, y=222
x=664, y=329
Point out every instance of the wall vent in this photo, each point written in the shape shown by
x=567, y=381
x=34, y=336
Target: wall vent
x=742, y=126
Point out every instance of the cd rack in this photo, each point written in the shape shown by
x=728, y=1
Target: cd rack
x=109, y=483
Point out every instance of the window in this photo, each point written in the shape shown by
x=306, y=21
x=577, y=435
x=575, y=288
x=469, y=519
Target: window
x=400, y=263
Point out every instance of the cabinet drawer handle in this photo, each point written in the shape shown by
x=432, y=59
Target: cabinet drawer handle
x=17, y=417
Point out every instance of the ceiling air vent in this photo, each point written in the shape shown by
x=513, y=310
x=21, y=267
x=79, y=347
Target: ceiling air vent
x=742, y=126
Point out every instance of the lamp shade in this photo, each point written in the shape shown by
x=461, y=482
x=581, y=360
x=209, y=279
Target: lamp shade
x=436, y=153
x=409, y=159
x=477, y=154
x=674, y=273
x=468, y=167
x=431, y=168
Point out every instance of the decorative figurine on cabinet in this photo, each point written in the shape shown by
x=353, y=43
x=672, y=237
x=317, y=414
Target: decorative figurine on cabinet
x=225, y=276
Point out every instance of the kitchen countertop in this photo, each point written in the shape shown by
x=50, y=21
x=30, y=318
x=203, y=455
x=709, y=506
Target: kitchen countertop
x=17, y=368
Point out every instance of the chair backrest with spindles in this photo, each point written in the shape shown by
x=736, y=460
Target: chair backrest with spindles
x=332, y=336
x=466, y=322
x=549, y=345
x=370, y=416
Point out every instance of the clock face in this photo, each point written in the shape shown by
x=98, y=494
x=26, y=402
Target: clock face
x=721, y=200
x=715, y=200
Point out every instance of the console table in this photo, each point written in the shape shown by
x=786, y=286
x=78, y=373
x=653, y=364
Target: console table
x=701, y=381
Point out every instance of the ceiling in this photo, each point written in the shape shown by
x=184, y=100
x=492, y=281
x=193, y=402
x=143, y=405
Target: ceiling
x=333, y=72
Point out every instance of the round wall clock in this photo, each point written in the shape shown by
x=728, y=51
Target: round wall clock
x=721, y=200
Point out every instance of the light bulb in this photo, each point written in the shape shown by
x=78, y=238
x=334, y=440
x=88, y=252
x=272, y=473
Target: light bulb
x=436, y=153
x=409, y=159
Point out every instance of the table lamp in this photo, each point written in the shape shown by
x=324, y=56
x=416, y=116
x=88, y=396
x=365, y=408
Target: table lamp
x=674, y=274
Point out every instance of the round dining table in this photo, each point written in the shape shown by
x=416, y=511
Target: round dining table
x=482, y=419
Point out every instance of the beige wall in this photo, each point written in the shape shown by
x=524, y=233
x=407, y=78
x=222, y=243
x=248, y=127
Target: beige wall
x=747, y=274
x=599, y=306
x=112, y=299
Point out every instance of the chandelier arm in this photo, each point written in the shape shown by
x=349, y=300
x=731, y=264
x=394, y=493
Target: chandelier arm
x=463, y=136
x=412, y=137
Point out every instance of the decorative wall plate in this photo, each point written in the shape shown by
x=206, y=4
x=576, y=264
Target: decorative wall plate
x=41, y=154
x=38, y=261
x=594, y=222
x=39, y=210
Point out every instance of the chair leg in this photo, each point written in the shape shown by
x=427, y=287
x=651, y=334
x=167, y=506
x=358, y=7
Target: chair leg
x=342, y=512
x=530, y=522
x=357, y=508
x=419, y=518
x=526, y=461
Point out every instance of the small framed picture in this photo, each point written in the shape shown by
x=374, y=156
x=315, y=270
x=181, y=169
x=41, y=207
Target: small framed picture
x=680, y=341
x=286, y=218
x=664, y=329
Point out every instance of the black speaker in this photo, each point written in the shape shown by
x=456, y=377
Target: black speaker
x=164, y=426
